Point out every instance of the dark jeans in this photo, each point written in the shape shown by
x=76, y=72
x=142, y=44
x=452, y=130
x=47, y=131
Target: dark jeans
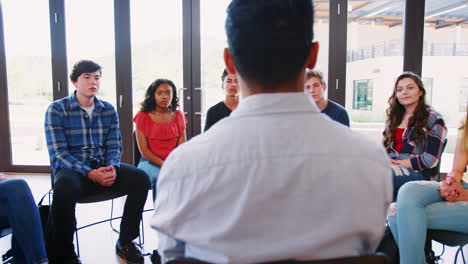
x=70, y=187
x=402, y=176
x=19, y=211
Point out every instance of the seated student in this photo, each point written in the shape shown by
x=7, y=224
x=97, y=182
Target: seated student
x=19, y=211
x=224, y=108
x=315, y=86
x=423, y=205
x=84, y=142
x=268, y=182
x=160, y=127
x=414, y=132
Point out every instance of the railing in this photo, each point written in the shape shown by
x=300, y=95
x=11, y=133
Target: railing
x=395, y=48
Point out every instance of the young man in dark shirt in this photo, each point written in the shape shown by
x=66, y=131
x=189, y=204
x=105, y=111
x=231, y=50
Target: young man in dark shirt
x=224, y=108
x=316, y=86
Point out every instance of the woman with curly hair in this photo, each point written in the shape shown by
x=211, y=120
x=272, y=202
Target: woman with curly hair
x=160, y=127
x=423, y=205
x=414, y=132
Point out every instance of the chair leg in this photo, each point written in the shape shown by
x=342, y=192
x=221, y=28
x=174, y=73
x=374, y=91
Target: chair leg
x=77, y=244
x=112, y=215
x=459, y=250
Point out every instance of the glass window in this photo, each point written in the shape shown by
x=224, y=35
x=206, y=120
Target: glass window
x=90, y=36
x=462, y=103
x=156, y=45
x=445, y=56
x=29, y=74
x=213, y=42
x=428, y=87
x=374, y=52
x=362, y=94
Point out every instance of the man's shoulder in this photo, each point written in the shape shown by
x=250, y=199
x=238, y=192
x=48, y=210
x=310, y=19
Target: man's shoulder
x=335, y=106
x=217, y=107
x=104, y=104
x=60, y=104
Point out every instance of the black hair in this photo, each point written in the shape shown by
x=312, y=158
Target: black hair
x=149, y=104
x=224, y=74
x=269, y=40
x=84, y=66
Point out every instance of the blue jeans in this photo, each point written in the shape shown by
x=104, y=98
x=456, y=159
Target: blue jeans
x=19, y=211
x=401, y=176
x=420, y=207
x=153, y=172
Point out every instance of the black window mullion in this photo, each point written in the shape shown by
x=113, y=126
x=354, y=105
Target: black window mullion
x=191, y=96
x=58, y=48
x=123, y=76
x=413, y=36
x=5, y=143
x=337, y=51
x=196, y=68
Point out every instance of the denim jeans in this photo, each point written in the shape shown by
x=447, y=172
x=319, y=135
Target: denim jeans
x=401, y=176
x=19, y=211
x=153, y=172
x=70, y=187
x=420, y=207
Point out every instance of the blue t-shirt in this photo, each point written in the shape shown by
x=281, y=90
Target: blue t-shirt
x=337, y=113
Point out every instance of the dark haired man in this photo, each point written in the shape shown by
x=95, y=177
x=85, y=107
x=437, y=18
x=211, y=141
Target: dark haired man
x=230, y=85
x=84, y=143
x=276, y=180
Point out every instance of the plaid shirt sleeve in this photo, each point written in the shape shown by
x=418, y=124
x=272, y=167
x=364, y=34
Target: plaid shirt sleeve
x=435, y=138
x=113, y=142
x=57, y=145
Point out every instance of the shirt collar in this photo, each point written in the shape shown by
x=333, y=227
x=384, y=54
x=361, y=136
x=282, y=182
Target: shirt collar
x=268, y=103
x=98, y=104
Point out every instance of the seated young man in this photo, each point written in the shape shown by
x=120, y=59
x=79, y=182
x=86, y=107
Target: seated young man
x=292, y=183
x=315, y=86
x=84, y=143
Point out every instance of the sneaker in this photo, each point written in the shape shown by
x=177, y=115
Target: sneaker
x=129, y=252
x=155, y=258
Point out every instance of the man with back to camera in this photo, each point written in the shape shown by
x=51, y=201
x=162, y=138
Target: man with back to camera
x=293, y=184
x=84, y=143
x=315, y=86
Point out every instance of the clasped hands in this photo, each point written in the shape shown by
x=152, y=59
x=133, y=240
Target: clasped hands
x=451, y=188
x=104, y=176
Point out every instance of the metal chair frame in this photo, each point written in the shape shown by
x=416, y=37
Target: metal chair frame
x=7, y=257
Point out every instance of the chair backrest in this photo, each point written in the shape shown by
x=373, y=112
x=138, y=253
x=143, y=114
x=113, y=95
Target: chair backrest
x=5, y=231
x=437, y=168
x=449, y=238
x=136, y=151
x=368, y=259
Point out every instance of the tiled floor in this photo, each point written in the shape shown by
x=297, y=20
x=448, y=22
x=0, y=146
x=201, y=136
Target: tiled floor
x=97, y=242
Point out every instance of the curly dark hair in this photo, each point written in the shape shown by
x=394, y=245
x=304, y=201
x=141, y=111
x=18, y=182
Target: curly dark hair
x=396, y=111
x=149, y=104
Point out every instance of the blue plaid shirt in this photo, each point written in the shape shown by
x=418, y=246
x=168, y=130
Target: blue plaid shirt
x=75, y=141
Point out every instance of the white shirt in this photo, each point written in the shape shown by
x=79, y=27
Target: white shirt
x=275, y=180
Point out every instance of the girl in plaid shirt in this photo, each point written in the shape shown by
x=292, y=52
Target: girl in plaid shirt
x=414, y=134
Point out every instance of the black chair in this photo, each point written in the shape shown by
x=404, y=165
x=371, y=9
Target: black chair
x=7, y=257
x=136, y=160
x=367, y=259
x=100, y=197
x=446, y=238
x=437, y=176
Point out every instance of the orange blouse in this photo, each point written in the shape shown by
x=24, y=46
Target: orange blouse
x=162, y=137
